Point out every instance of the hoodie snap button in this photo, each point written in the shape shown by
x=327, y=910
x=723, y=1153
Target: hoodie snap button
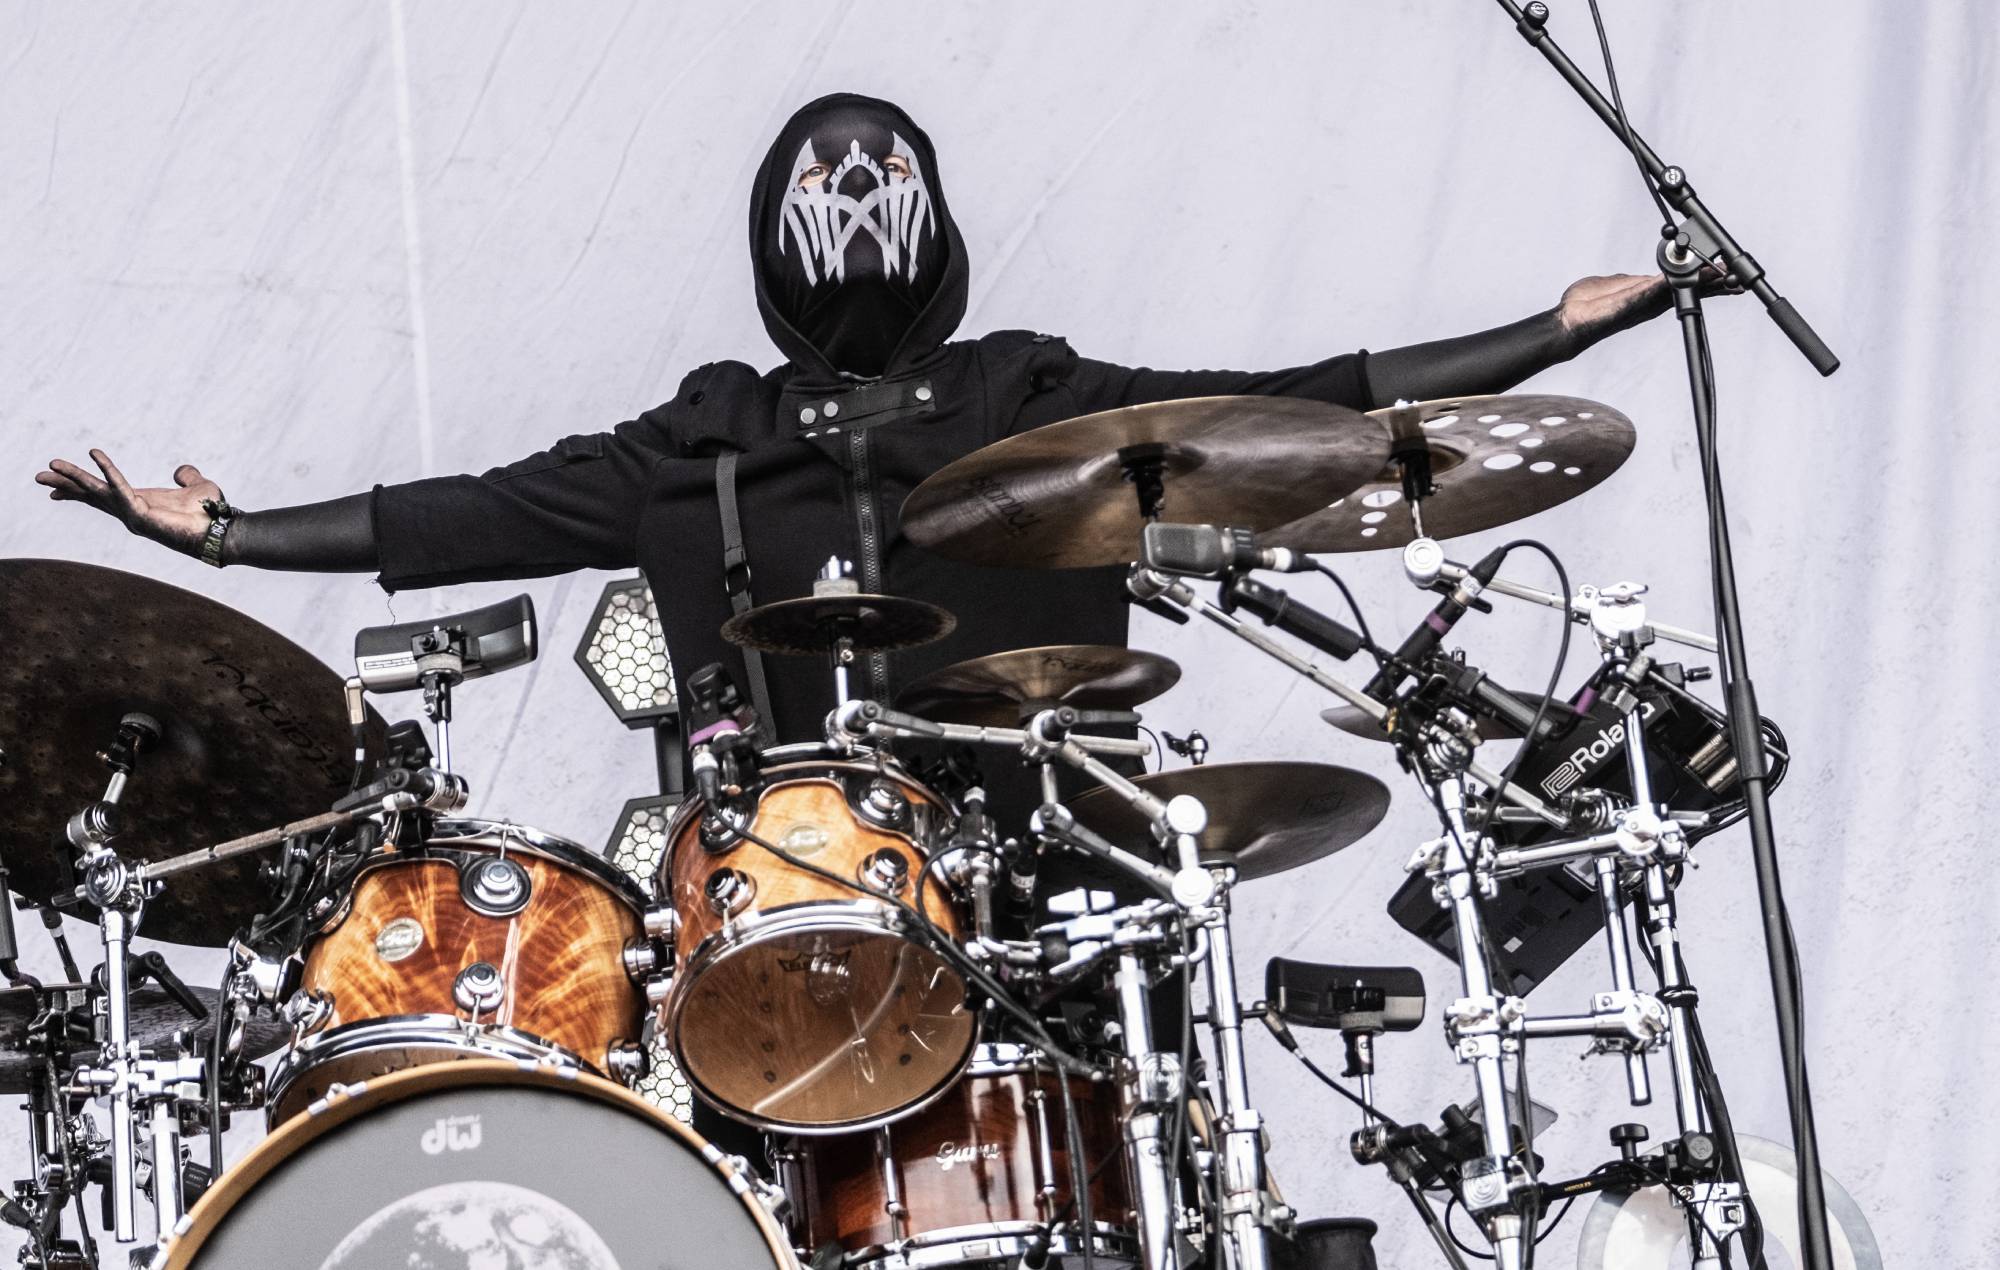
x=808, y=415
x=923, y=392
x=832, y=408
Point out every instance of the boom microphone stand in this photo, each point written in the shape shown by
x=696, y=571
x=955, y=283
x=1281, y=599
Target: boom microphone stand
x=1699, y=238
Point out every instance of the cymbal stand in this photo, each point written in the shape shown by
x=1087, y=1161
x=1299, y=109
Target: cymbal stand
x=1650, y=841
x=120, y=900
x=1202, y=893
x=1153, y=1086
x=1484, y=1027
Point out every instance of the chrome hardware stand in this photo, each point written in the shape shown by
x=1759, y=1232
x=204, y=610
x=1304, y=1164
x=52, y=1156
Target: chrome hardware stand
x=1244, y=1221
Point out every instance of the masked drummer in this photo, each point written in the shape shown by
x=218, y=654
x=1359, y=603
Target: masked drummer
x=861, y=278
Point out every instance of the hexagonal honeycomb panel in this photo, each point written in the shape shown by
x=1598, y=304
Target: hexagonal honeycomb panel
x=625, y=654
x=636, y=845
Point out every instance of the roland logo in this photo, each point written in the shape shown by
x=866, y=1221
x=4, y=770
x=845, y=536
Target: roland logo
x=955, y=1153
x=1589, y=756
x=452, y=1133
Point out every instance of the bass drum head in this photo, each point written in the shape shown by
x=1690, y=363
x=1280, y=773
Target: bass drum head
x=475, y=1165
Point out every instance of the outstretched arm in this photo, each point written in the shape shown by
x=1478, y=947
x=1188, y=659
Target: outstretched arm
x=1486, y=362
x=1495, y=360
x=337, y=536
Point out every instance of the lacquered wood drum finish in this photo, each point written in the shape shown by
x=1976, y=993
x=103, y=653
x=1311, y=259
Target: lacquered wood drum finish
x=799, y=1003
x=419, y=951
x=973, y=1173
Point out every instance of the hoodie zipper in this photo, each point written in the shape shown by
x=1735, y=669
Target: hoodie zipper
x=875, y=666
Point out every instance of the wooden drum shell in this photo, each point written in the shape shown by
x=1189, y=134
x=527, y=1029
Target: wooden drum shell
x=991, y=1157
x=751, y=1014
x=562, y=978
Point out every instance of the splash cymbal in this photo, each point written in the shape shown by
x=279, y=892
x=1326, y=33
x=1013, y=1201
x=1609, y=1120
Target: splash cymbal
x=1078, y=493
x=1265, y=817
x=1002, y=689
x=1494, y=460
x=809, y=625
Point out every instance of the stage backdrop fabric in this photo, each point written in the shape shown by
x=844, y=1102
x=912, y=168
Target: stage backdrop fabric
x=314, y=247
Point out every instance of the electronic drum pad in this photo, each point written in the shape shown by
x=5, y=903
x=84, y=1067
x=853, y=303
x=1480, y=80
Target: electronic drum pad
x=1644, y=1230
x=462, y=1166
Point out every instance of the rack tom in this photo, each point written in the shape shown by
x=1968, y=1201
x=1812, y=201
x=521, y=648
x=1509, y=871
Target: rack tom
x=973, y=1177
x=487, y=940
x=803, y=1000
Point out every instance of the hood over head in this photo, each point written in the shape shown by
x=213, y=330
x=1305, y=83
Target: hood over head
x=859, y=266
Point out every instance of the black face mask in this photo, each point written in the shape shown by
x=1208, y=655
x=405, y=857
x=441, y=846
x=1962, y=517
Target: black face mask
x=852, y=245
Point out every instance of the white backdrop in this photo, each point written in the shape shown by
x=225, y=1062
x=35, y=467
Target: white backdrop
x=314, y=247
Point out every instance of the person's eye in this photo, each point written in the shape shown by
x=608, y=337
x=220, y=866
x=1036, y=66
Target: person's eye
x=814, y=175
x=896, y=165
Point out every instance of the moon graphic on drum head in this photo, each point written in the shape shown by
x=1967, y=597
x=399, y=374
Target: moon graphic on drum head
x=473, y=1226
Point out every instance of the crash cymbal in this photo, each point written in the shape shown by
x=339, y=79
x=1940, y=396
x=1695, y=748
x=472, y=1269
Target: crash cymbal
x=1267, y=817
x=1353, y=722
x=1001, y=690
x=1494, y=460
x=155, y=1018
x=1070, y=494
x=254, y=733
x=808, y=626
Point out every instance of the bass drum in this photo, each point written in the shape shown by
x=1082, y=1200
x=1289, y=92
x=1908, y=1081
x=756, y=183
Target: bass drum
x=476, y=1164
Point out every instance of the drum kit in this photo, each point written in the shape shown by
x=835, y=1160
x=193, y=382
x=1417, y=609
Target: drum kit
x=966, y=1034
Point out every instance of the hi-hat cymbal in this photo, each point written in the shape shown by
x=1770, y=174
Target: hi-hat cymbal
x=254, y=733
x=1002, y=689
x=1494, y=460
x=1266, y=817
x=1070, y=494
x=810, y=625
x=155, y=1017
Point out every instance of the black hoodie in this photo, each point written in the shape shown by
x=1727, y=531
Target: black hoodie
x=824, y=465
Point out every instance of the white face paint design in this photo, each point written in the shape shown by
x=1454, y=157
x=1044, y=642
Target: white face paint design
x=823, y=220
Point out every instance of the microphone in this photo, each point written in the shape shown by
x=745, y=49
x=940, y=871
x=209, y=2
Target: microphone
x=1209, y=551
x=1290, y=616
x=713, y=706
x=1431, y=631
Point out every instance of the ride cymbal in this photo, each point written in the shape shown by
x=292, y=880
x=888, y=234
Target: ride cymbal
x=1002, y=690
x=1494, y=460
x=1265, y=817
x=810, y=625
x=1078, y=493
x=254, y=733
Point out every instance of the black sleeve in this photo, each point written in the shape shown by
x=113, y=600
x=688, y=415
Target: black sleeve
x=576, y=505
x=336, y=536
x=1342, y=380
x=1472, y=365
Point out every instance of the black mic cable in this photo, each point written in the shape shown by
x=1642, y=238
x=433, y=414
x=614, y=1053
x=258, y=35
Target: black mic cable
x=1430, y=632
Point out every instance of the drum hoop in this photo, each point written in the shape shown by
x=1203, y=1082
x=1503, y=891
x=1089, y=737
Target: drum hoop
x=1009, y=1236
x=179, y=1248
x=438, y=1031
x=464, y=833
x=825, y=769
x=851, y=915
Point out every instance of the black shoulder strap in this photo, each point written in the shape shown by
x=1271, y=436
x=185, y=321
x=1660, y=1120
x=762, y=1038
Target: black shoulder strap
x=736, y=581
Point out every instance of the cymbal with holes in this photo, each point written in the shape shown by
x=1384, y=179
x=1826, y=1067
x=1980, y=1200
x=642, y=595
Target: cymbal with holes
x=1002, y=690
x=1072, y=494
x=809, y=625
x=1494, y=460
x=1264, y=817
